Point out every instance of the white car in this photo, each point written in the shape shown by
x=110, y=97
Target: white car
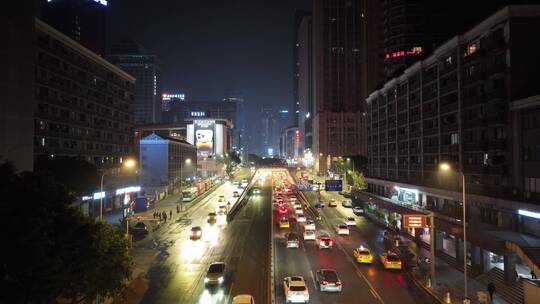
x=309, y=235
x=300, y=218
x=295, y=290
x=243, y=299
x=349, y=221
x=298, y=210
x=342, y=229
x=297, y=204
x=309, y=225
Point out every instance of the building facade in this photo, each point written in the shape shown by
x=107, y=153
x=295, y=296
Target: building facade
x=268, y=122
x=299, y=17
x=337, y=105
x=472, y=103
x=84, y=103
x=17, y=106
x=84, y=21
x=132, y=58
x=305, y=83
x=165, y=163
x=289, y=143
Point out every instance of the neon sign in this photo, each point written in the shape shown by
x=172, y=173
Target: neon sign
x=175, y=96
x=415, y=51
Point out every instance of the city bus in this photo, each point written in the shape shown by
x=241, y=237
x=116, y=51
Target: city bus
x=190, y=194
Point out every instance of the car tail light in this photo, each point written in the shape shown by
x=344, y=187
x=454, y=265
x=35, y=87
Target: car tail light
x=324, y=282
x=330, y=243
x=338, y=283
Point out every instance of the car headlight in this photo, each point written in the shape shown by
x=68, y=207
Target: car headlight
x=220, y=279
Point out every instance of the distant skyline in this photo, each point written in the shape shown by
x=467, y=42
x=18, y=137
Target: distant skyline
x=213, y=49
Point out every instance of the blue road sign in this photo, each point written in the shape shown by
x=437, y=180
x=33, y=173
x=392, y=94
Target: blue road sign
x=333, y=185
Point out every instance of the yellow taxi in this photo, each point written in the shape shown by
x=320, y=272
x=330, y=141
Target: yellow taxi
x=283, y=222
x=363, y=255
x=332, y=203
x=391, y=260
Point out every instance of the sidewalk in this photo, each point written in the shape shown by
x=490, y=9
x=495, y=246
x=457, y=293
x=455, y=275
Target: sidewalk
x=448, y=278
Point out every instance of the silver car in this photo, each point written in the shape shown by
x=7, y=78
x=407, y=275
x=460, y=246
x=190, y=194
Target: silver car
x=328, y=280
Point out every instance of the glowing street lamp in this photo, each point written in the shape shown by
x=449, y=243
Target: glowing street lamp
x=446, y=167
x=129, y=163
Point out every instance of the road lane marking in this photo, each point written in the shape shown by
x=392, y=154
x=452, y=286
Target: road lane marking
x=313, y=279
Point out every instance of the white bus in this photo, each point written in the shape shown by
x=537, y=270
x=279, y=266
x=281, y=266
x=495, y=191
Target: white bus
x=189, y=194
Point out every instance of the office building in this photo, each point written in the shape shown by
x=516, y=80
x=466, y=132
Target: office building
x=305, y=83
x=289, y=143
x=134, y=60
x=473, y=103
x=239, y=140
x=182, y=111
x=84, y=21
x=84, y=103
x=17, y=104
x=268, y=144
x=338, y=110
x=165, y=163
x=299, y=17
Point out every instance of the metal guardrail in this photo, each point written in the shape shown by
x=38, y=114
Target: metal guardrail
x=240, y=202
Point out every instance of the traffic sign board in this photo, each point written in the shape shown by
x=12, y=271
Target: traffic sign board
x=333, y=185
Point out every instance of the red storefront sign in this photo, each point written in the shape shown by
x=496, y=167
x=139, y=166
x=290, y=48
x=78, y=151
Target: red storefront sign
x=414, y=221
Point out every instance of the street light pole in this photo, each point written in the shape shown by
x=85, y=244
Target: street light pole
x=464, y=239
x=447, y=167
x=101, y=198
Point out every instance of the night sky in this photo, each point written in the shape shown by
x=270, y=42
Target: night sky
x=212, y=49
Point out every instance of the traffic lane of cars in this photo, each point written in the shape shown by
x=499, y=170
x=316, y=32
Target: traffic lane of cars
x=180, y=274
x=294, y=262
x=371, y=235
x=252, y=264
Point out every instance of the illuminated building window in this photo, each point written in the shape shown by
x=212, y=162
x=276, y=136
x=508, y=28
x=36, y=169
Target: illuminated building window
x=471, y=48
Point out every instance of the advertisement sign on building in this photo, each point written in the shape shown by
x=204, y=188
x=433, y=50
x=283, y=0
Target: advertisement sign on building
x=204, y=137
x=333, y=185
x=414, y=221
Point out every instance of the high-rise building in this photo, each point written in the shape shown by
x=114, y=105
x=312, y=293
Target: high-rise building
x=84, y=21
x=239, y=130
x=182, y=111
x=473, y=103
x=133, y=59
x=84, y=103
x=412, y=29
x=299, y=16
x=338, y=108
x=268, y=145
x=17, y=103
x=371, y=52
x=305, y=82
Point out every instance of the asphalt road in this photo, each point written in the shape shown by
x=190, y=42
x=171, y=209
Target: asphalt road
x=306, y=260
x=392, y=286
x=177, y=275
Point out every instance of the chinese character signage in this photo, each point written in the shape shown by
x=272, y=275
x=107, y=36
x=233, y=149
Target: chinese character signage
x=333, y=185
x=414, y=221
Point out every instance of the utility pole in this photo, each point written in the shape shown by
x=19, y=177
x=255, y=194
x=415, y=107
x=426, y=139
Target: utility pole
x=432, y=240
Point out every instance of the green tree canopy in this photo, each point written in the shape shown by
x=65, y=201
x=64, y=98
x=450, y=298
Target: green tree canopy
x=358, y=180
x=230, y=160
x=53, y=250
x=76, y=174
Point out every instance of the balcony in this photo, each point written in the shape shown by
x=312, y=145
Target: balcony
x=430, y=131
x=474, y=169
x=497, y=145
x=498, y=170
x=431, y=149
x=449, y=128
x=449, y=148
x=447, y=108
x=496, y=69
x=496, y=94
x=475, y=146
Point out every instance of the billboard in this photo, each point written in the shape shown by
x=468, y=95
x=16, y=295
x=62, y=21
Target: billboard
x=204, y=137
x=414, y=221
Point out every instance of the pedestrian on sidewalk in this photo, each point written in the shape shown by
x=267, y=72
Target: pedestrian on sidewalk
x=170, y=214
x=159, y=214
x=491, y=289
x=177, y=209
x=533, y=275
x=164, y=216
